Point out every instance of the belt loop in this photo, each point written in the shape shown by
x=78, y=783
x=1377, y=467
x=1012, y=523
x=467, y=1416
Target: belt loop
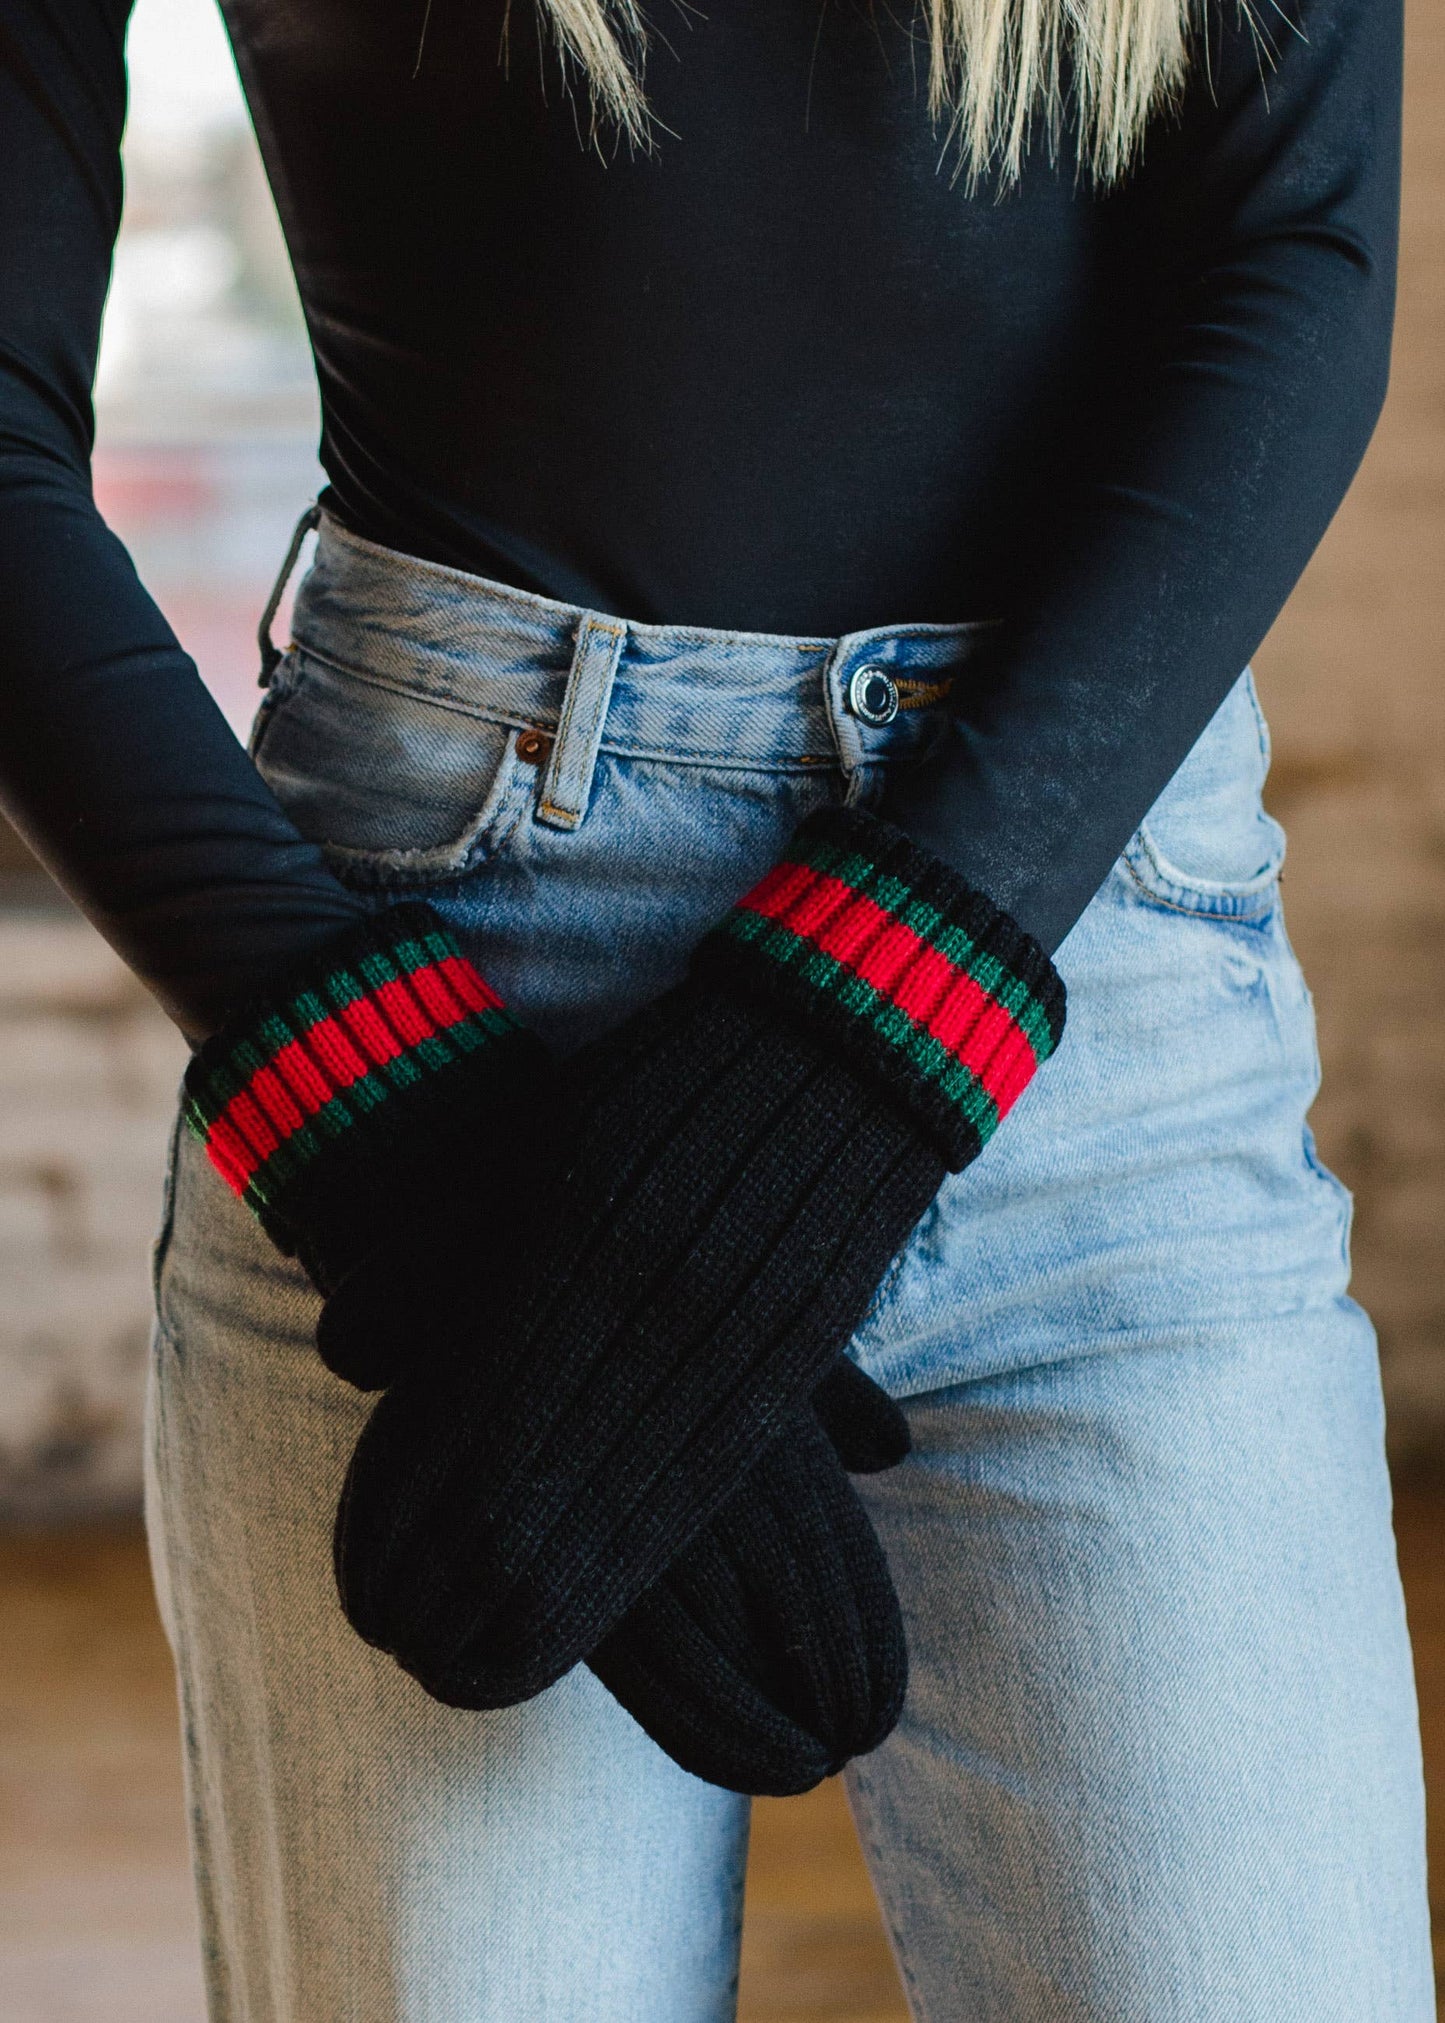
x=271, y=655
x=567, y=782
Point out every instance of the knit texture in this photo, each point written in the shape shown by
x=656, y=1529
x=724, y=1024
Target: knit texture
x=771, y=1651
x=309, y=1103
x=731, y=1198
x=747, y=1156
x=908, y=969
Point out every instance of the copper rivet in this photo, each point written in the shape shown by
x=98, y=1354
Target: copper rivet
x=532, y=747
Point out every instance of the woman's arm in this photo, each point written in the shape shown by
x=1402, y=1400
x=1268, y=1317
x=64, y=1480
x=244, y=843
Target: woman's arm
x=115, y=763
x=1256, y=255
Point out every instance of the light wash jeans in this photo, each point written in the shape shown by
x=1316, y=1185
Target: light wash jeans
x=1159, y=1758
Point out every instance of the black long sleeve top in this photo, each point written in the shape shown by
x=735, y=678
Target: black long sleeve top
x=785, y=372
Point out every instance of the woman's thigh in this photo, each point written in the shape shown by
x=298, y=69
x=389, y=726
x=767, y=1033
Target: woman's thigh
x=1159, y=1758
x=360, y=1851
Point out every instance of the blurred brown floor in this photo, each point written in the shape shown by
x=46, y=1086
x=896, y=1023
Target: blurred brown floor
x=95, y=1918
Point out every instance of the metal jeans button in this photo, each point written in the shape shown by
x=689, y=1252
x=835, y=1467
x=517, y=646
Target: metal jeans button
x=873, y=696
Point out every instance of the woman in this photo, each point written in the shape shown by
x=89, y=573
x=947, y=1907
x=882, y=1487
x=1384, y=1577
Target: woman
x=801, y=495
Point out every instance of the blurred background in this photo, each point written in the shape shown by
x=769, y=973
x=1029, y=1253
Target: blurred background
x=207, y=427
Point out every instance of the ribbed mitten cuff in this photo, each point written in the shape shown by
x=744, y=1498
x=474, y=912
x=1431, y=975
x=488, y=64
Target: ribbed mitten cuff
x=908, y=969
x=323, y=1101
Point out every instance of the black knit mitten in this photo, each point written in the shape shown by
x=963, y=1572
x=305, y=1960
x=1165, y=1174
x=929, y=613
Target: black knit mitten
x=388, y=1123
x=751, y=1152
x=770, y=1651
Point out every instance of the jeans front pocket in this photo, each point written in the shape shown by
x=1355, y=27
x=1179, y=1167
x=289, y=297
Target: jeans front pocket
x=395, y=784
x=1207, y=846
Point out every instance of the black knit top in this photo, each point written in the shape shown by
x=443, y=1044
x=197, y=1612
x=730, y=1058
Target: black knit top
x=785, y=372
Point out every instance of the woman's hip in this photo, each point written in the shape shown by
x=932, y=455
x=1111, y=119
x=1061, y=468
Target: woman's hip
x=582, y=799
x=1158, y=1179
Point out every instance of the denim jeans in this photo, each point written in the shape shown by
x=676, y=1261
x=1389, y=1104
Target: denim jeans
x=1159, y=1757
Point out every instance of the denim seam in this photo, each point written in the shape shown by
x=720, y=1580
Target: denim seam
x=165, y=1231
x=716, y=762
x=889, y=1280
x=285, y=682
x=414, y=691
x=490, y=829
x=1059, y=1348
x=878, y=1865
x=1344, y=1201
x=1261, y=721
x=521, y=719
x=414, y=867
x=166, y=1336
x=842, y=728
x=1249, y=904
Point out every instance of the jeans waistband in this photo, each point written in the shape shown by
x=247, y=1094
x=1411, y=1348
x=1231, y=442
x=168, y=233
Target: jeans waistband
x=589, y=681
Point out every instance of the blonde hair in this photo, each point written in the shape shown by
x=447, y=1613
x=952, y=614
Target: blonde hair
x=997, y=71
